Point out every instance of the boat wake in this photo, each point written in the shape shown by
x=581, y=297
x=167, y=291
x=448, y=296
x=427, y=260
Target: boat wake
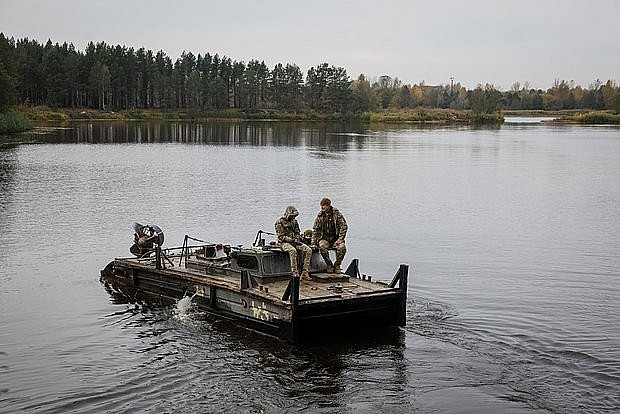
x=423, y=309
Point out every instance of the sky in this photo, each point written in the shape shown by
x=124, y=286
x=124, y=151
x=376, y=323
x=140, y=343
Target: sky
x=499, y=42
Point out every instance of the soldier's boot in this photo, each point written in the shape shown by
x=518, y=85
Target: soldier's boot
x=329, y=263
x=305, y=275
x=339, y=257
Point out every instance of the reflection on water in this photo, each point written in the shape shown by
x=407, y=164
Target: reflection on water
x=511, y=234
x=329, y=136
x=218, y=133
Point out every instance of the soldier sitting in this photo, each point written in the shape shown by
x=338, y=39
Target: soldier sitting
x=287, y=230
x=330, y=229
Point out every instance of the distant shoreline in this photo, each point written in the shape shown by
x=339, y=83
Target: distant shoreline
x=423, y=115
x=415, y=115
x=29, y=117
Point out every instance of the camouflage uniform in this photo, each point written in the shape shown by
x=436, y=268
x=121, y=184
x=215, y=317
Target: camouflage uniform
x=330, y=226
x=288, y=233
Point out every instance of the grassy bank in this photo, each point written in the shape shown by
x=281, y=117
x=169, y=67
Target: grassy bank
x=604, y=118
x=44, y=114
x=417, y=115
x=421, y=115
x=578, y=116
x=11, y=122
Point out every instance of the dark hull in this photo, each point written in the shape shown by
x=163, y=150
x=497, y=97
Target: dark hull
x=296, y=315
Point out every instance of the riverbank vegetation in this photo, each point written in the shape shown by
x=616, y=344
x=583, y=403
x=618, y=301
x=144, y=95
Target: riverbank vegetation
x=597, y=118
x=419, y=115
x=58, y=82
x=14, y=122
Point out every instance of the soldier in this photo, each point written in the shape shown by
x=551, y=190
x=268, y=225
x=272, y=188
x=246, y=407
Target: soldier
x=287, y=230
x=330, y=229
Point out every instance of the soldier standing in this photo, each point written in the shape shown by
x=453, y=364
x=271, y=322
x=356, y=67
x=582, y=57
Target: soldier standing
x=330, y=229
x=287, y=230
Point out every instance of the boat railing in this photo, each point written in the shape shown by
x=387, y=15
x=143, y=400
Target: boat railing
x=164, y=255
x=159, y=256
x=259, y=241
x=402, y=278
x=186, y=249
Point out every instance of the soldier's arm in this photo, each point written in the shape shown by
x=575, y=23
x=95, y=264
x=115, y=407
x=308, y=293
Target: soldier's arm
x=296, y=239
x=316, y=232
x=280, y=232
x=342, y=227
x=282, y=237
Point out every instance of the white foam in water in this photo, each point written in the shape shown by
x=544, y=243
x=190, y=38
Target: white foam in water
x=184, y=308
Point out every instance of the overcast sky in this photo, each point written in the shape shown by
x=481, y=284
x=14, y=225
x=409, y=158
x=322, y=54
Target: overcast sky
x=474, y=41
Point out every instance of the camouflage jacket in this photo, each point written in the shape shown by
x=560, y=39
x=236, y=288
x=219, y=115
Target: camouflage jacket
x=288, y=230
x=329, y=226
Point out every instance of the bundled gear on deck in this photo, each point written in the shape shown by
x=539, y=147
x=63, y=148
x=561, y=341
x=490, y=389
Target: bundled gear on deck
x=145, y=238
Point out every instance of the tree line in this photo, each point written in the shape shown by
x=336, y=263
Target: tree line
x=114, y=77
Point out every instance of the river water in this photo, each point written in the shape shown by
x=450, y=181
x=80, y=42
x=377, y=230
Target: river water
x=512, y=236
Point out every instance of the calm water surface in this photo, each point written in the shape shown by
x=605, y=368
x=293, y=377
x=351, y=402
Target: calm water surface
x=513, y=237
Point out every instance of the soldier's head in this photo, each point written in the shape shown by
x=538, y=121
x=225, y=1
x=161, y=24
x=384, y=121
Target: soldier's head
x=308, y=234
x=326, y=204
x=290, y=213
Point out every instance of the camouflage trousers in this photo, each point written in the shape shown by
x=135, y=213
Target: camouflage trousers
x=292, y=251
x=341, y=250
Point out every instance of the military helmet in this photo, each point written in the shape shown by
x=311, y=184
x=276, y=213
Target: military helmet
x=326, y=201
x=308, y=234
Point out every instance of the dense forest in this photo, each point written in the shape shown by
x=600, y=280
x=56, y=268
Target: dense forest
x=122, y=78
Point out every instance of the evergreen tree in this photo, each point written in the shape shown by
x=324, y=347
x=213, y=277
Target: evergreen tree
x=118, y=77
x=8, y=90
x=363, y=98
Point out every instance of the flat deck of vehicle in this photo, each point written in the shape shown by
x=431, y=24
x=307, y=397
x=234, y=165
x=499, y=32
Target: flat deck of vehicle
x=322, y=286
